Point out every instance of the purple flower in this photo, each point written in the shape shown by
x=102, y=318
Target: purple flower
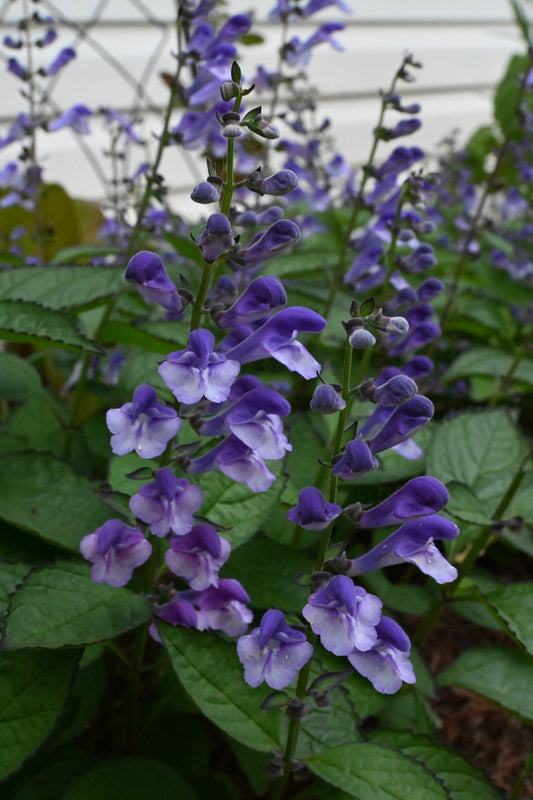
x=386, y=664
x=299, y=53
x=400, y=160
x=60, y=61
x=198, y=556
x=277, y=338
x=49, y=37
x=75, y=118
x=147, y=272
x=204, y=192
x=275, y=241
x=236, y=460
x=312, y=511
x=312, y=6
x=404, y=128
x=223, y=608
x=355, y=462
x=167, y=504
x=144, y=425
x=198, y=372
x=15, y=67
x=326, y=399
x=260, y=298
x=274, y=652
x=124, y=124
x=412, y=542
x=403, y=423
x=115, y=550
x=278, y=184
x=344, y=616
x=179, y=611
x=418, y=498
x=395, y=391
x=216, y=238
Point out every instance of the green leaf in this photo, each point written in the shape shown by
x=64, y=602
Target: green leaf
x=210, y=671
x=464, y=506
x=522, y=21
x=464, y=781
x=115, y=332
x=268, y=569
x=10, y=576
x=372, y=772
x=42, y=494
x=480, y=450
x=60, y=606
x=489, y=362
x=501, y=674
x=235, y=506
x=83, y=251
x=33, y=688
x=514, y=603
x=62, y=287
x=186, y=247
x=507, y=94
x=22, y=321
x=134, y=778
x=18, y=379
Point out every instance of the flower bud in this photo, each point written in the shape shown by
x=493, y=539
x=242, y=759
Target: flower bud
x=326, y=400
x=229, y=90
x=232, y=131
x=360, y=339
x=280, y=183
x=396, y=325
x=204, y=192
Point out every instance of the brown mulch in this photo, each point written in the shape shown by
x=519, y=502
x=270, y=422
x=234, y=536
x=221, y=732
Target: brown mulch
x=487, y=737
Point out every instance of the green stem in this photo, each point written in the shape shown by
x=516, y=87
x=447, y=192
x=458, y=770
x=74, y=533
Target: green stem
x=229, y=185
x=201, y=295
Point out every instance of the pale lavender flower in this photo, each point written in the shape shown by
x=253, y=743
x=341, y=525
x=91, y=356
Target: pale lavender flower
x=236, y=460
x=75, y=118
x=198, y=371
x=386, y=664
x=312, y=511
x=223, y=608
x=298, y=53
x=115, y=549
x=144, y=425
x=198, y=556
x=345, y=616
x=274, y=652
x=167, y=504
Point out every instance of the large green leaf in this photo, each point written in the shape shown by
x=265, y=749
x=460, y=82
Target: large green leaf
x=507, y=94
x=514, y=603
x=134, y=778
x=480, y=450
x=33, y=688
x=18, y=379
x=464, y=781
x=210, y=671
x=489, y=361
x=44, y=495
x=24, y=321
x=60, y=606
x=502, y=674
x=62, y=287
x=372, y=772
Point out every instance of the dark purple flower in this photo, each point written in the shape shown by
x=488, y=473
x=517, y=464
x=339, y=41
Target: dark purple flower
x=344, y=616
x=386, y=664
x=204, y=192
x=274, y=652
x=278, y=184
x=198, y=556
x=75, y=118
x=418, y=498
x=49, y=37
x=144, y=425
x=326, y=399
x=216, y=238
x=11, y=43
x=147, y=272
x=60, y=61
x=223, y=608
x=404, y=128
x=17, y=69
x=277, y=338
x=400, y=160
x=179, y=611
x=260, y=298
x=412, y=542
x=355, y=462
x=275, y=241
x=395, y=391
x=236, y=460
x=198, y=372
x=313, y=512
x=115, y=550
x=403, y=423
x=167, y=504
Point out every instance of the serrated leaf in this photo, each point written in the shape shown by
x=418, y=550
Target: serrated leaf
x=491, y=362
x=18, y=379
x=22, y=321
x=135, y=778
x=33, y=688
x=42, y=494
x=83, y=251
x=62, y=287
x=115, y=332
x=464, y=506
x=60, y=606
x=514, y=604
x=10, y=576
x=480, y=450
x=501, y=674
x=210, y=671
x=235, y=506
x=464, y=781
x=372, y=772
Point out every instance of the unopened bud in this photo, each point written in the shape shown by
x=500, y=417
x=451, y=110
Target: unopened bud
x=229, y=90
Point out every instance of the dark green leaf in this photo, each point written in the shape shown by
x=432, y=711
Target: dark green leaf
x=18, y=379
x=507, y=94
x=60, y=606
x=22, y=321
x=211, y=673
x=489, y=361
x=83, y=251
x=62, y=287
x=134, y=778
x=514, y=603
x=33, y=688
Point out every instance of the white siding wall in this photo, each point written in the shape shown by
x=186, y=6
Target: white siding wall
x=463, y=44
